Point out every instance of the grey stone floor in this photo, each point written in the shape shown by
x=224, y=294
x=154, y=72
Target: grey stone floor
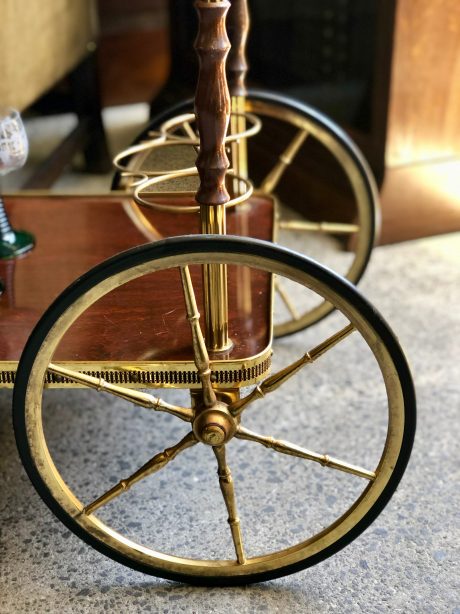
x=407, y=561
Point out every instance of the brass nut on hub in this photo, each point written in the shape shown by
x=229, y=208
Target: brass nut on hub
x=214, y=426
x=213, y=434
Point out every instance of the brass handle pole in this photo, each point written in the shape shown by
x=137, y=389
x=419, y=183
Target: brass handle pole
x=238, y=23
x=212, y=110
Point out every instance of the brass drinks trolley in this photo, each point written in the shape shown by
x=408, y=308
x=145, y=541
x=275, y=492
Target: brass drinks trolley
x=133, y=323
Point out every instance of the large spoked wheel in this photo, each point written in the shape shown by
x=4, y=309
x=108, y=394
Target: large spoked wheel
x=338, y=436
x=287, y=158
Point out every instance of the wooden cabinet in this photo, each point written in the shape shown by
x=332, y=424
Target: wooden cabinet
x=424, y=118
x=421, y=190
x=408, y=124
x=133, y=49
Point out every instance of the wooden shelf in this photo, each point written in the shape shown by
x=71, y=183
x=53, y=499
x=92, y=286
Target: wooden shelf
x=142, y=322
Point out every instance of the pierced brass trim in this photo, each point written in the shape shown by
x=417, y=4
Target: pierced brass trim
x=226, y=374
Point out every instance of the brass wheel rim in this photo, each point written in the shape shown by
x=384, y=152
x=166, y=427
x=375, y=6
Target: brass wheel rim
x=170, y=565
x=365, y=195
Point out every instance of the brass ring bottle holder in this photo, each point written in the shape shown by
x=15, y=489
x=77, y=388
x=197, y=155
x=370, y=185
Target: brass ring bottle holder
x=142, y=181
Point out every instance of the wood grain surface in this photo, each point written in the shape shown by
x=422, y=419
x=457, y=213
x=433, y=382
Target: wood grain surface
x=238, y=29
x=145, y=319
x=424, y=118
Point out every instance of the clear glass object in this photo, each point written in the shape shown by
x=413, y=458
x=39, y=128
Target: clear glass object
x=14, y=148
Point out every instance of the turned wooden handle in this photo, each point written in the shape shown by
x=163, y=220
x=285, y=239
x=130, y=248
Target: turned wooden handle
x=238, y=23
x=212, y=101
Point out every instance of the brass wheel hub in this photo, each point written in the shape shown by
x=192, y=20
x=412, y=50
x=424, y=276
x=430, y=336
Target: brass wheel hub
x=214, y=425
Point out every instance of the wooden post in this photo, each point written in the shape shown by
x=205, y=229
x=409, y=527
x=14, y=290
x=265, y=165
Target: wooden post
x=212, y=109
x=238, y=23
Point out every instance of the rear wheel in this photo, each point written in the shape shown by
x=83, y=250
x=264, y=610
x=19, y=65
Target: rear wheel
x=307, y=162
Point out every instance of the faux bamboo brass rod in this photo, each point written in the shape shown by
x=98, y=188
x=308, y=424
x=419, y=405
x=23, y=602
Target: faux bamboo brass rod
x=285, y=447
x=156, y=463
x=199, y=347
x=284, y=160
x=133, y=396
x=228, y=492
x=275, y=381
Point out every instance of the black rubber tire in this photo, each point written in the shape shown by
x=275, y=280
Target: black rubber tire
x=226, y=245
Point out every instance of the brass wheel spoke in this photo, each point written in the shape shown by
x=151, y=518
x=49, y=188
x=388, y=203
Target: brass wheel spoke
x=200, y=352
x=285, y=159
x=156, y=463
x=188, y=130
x=286, y=300
x=190, y=134
x=152, y=134
x=275, y=381
x=134, y=396
x=228, y=492
x=324, y=227
x=284, y=447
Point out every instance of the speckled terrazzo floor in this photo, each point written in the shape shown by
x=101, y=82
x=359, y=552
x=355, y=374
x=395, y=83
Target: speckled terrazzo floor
x=407, y=561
